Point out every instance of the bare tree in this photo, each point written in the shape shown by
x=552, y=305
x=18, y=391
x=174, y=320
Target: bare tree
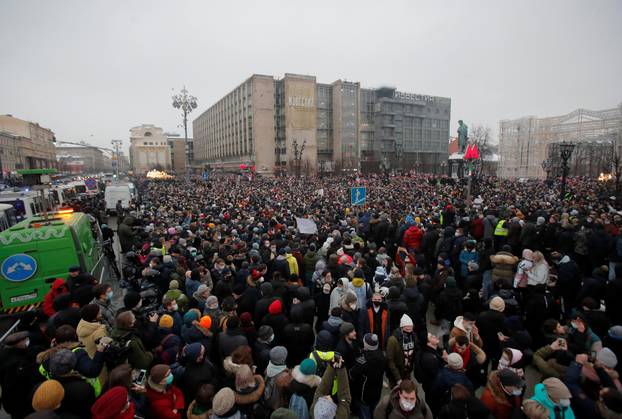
x=481, y=135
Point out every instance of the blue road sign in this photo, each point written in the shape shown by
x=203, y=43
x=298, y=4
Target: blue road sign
x=18, y=267
x=358, y=195
x=90, y=183
x=206, y=175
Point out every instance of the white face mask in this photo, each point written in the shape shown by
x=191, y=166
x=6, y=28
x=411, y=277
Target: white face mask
x=406, y=405
x=174, y=307
x=504, y=362
x=353, y=306
x=564, y=402
x=574, y=325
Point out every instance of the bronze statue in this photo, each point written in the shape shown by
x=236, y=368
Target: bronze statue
x=463, y=135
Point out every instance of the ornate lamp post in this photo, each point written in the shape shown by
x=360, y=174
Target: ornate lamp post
x=565, y=151
x=187, y=103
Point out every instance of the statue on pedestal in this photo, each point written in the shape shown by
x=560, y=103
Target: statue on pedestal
x=463, y=135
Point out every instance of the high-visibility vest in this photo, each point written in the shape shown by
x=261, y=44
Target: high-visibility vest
x=500, y=229
x=93, y=382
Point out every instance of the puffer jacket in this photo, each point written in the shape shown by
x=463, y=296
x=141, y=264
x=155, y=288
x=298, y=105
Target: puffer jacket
x=88, y=333
x=503, y=269
x=496, y=400
x=59, y=287
x=412, y=238
x=542, y=397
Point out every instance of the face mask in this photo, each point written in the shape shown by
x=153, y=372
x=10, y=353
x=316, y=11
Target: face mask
x=109, y=295
x=564, y=402
x=353, y=306
x=326, y=290
x=169, y=379
x=174, y=307
x=574, y=325
x=220, y=267
x=271, y=339
x=457, y=235
x=376, y=303
x=406, y=405
x=503, y=362
x=518, y=392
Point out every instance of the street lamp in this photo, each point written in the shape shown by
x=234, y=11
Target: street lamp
x=565, y=151
x=298, y=154
x=546, y=166
x=187, y=103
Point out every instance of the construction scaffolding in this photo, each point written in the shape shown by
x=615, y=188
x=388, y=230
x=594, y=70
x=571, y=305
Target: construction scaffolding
x=524, y=143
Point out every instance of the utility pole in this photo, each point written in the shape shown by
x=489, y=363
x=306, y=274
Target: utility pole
x=116, y=158
x=187, y=103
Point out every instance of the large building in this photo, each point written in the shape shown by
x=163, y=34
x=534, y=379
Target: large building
x=149, y=149
x=179, y=152
x=296, y=123
x=25, y=145
x=93, y=159
x=526, y=142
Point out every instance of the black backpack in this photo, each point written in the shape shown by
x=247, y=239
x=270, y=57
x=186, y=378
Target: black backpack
x=321, y=365
x=117, y=351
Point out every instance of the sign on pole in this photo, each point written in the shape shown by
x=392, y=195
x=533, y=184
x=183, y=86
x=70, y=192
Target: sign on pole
x=90, y=183
x=358, y=195
x=206, y=175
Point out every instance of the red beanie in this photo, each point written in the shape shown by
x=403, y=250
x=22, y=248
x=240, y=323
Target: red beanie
x=110, y=404
x=276, y=307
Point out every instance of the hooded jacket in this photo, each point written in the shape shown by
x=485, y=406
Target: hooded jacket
x=412, y=238
x=58, y=287
x=542, y=397
x=496, y=400
x=303, y=385
x=88, y=333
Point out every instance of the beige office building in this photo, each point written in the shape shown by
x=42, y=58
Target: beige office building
x=149, y=149
x=93, y=159
x=28, y=145
x=179, y=157
x=526, y=142
x=295, y=123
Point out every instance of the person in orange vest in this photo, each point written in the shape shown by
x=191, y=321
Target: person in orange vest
x=375, y=319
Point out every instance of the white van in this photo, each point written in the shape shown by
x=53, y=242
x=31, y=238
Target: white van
x=115, y=193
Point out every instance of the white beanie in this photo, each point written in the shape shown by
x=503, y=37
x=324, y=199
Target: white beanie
x=454, y=361
x=406, y=321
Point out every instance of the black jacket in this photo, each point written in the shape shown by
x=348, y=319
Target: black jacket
x=79, y=396
x=472, y=408
x=366, y=377
x=428, y=363
x=298, y=338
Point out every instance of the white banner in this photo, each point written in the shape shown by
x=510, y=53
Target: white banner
x=306, y=226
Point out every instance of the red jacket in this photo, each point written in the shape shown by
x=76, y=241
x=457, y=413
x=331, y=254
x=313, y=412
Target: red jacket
x=161, y=405
x=477, y=228
x=59, y=287
x=412, y=238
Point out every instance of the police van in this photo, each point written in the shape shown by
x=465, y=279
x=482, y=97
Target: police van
x=36, y=251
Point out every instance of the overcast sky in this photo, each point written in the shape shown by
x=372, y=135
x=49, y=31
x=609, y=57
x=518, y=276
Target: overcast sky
x=91, y=70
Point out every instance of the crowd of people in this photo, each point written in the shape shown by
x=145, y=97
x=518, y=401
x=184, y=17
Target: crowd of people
x=418, y=304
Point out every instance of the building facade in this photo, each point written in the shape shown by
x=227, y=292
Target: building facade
x=297, y=124
x=525, y=143
x=149, y=149
x=179, y=155
x=25, y=145
x=93, y=160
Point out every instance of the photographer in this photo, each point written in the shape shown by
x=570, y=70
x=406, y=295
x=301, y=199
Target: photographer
x=326, y=406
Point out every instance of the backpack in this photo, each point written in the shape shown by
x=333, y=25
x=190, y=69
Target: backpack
x=320, y=364
x=298, y=405
x=117, y=351
x=271, y=396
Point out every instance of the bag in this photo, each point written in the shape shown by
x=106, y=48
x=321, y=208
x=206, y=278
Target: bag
x=520, y=280
x=117, y=351
x=298, y=405
x=320, y=364
x=271, y=394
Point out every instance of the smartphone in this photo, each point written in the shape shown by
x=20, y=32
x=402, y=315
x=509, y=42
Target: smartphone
x=337, y=358
x=140, y=377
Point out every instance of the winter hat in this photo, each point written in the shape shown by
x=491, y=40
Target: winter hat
x=202, y=288
x=283, y=413
x=497, y=304
x=615, y=332
x=131, y=299
x=556, y=389
x=244, y=377
x=509, y=378
x=308, y=367
x=276, y=307
x=346, y=328
x=167, y=259
x=205, y=322
x=48, y=396
x=540, y=221
x=192, y=350
x=211, y=301
x=223, y=401
x=370, y=342
x=173, y=285
x=324, y=408
x=606, y=357
x=89, y=312
x=62, y=362
x=191, y=316
x=324, y=341
x=406, y=321
x=454, y=361
x=265, y=332
x=278, y=355
x=358, y=282
x=110, y=404
x=246, y=319
x=516, y=356
x=158, y=372
x=166, y=321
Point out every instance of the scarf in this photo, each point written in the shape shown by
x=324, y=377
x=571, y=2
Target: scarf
x=274, y=370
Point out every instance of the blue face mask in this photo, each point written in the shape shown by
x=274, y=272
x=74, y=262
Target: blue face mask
x=169, y=379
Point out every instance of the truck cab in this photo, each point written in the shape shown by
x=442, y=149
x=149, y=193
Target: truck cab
x=36, y=251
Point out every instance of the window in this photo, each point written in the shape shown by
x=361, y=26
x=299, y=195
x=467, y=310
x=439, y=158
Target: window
x=147, y=134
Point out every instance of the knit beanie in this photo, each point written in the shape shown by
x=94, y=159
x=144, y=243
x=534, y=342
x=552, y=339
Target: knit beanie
x=206, y=322
x=283, y=413
x=202, y=288
x=211, y=302
x=166, y=321
x=190, y=316
x=615, y=332
x=308, y=367
x=497, y=304
x=406, y=321
x=276, y=307
x=556, y=389
x=110, y=404
x=62, y=362
x=223, y=401
x=454, y=361
x=346, y=328
x=158, y=372
x=278, y=355
x=370, y=342
x=606, y=357
x=324, y=408
x=173, y=285
x=89, y=312
x=324, y=341
x=48, y=396
x=244, y=377
x=265, y=332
